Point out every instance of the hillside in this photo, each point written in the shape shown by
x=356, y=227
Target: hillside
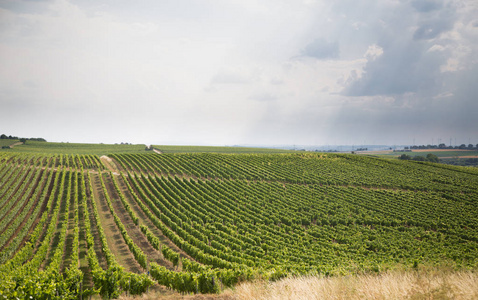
x=202, y=222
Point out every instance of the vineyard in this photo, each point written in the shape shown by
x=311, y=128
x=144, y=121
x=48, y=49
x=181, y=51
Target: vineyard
x=74, y=224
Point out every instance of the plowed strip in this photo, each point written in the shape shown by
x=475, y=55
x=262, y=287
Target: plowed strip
x=96, y=237
x=134, y=231
x=114, y=238
x=147, y=222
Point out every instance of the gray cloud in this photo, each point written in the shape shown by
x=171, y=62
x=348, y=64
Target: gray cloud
x=26, y=6
x=322, y=49
x=405, y=68
x=426, y=5
x=407, y=65
x=431, y=28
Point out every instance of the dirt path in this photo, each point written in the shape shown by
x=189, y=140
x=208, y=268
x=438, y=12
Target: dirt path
x=157, y=151
x=134, y=231
x=110, y=165
x=16, y=144
x=114, y=238
x=96, y=237
x=147, y=222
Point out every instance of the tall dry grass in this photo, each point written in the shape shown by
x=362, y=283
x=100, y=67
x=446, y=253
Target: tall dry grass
x=425, y=283
x=422, y=284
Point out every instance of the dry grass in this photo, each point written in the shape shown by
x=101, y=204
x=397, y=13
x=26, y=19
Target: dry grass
x=423, y=284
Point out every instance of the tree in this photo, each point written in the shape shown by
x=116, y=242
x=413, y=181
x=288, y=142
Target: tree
x=470, y=146
x=3, y=136
x=404, y=157
x=432, y=158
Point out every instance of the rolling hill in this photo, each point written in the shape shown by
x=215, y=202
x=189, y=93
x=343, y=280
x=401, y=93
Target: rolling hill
x=77, y=222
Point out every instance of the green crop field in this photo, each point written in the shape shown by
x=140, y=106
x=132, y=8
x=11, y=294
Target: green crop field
x=79, y=223
x=215, y=149
x=7, y=142
x=74, y=148
x=447, y=154
x=439, y=154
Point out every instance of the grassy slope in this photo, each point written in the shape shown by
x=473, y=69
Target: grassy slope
x=367, y=213
x=439, y=154
x=214, y=149
x=423, y=283
x=104, y=149
x=7, y=142
x=437, y=170
x=74, y=148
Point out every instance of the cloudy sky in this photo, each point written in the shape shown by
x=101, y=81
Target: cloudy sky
x=224, y=72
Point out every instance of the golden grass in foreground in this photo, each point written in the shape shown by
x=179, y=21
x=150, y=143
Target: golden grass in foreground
x=423, y=284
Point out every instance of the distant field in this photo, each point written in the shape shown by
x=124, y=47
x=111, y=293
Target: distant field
x=213, y=149
x=75, y=148
x=7, y=142
x=448, y=153
x=439, y=153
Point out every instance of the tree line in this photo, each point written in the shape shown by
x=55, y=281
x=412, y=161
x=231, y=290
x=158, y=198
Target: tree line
x=430, y=157
x=10, y=137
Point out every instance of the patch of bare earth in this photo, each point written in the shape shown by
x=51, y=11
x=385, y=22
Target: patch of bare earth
x=110, y=165
x=147, y=222
x=134, y=231
x=177, y=296
x=114, y=238
x=95, y=233
x=16, y=144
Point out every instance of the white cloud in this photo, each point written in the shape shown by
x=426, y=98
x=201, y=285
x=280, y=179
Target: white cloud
x=373, y=52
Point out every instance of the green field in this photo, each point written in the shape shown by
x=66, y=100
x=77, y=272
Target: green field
x=7, y=142
x=204, y=222
x=439, y=154
x=75, y=148
x=452, y=154
x=215, y=149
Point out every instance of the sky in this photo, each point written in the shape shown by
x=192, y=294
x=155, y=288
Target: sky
x=216, y=72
